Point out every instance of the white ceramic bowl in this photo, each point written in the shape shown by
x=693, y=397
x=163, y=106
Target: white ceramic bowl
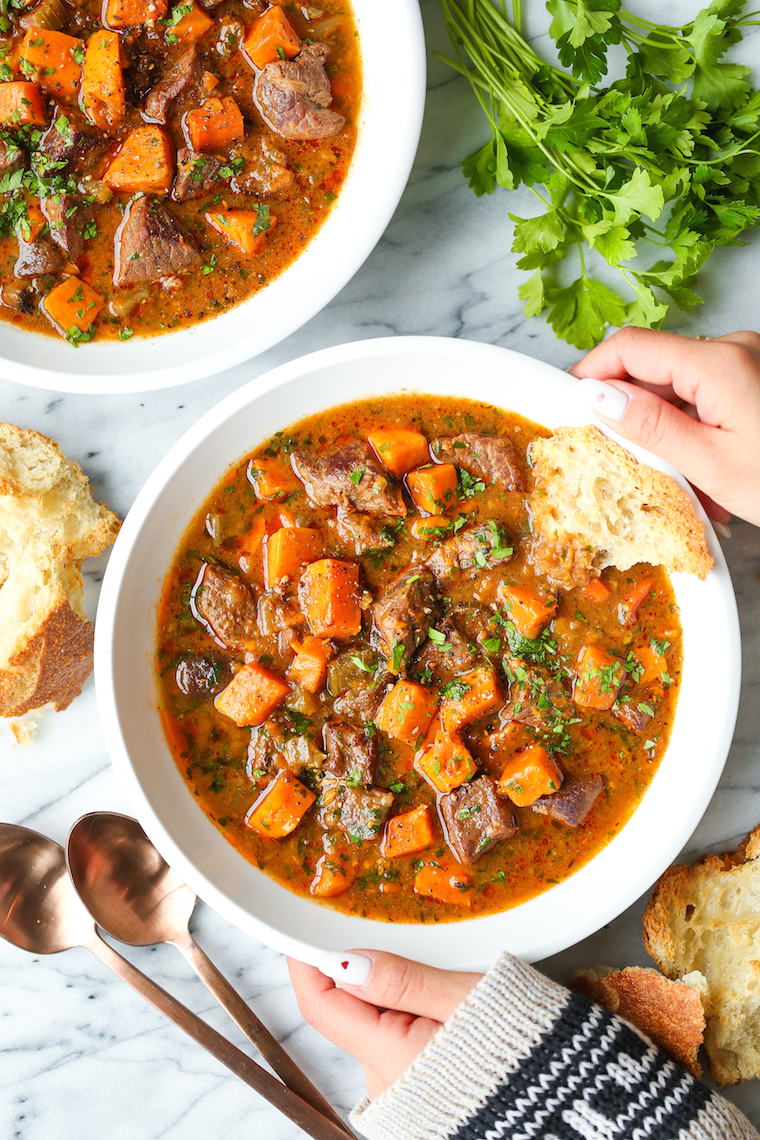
x=388, y=132
x=124, y=646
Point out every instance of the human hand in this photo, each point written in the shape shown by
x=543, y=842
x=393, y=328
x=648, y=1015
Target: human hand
x=387, y=1019
x=693, y=403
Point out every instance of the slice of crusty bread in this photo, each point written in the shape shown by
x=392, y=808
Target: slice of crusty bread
x=595, y=506
x=49, y=523
x=706, y=917
x=671, y=1013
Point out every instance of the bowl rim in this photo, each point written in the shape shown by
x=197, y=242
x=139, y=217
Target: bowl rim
x=116, y=367
x=646, y=868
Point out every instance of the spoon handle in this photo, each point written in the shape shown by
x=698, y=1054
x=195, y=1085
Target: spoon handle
x=255, y=1031
x=303, y=1114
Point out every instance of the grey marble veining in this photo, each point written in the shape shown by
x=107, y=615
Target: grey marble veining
x=81, y=1055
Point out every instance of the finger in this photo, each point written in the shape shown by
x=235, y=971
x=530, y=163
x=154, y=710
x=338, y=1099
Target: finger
x=749, y=339
x=714, y=510
x=397, y=984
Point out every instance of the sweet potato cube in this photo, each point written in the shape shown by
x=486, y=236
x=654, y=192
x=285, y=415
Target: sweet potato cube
x=433, y=489
x=406, y=711
x=482, y=695
x=72, y=306
x=144, y=162
x=529, y=610
x=50, y=58
x=446, y=883
x=309, y=668
x=329, y=598
x=432, y=526
x=191, y=27
x=213, y=126
x=272, y=37
x=280, y=807
x=408, y=833
x=288, y=550
x=134, y=13
x=652, y=662
x=252, y=694
x=22, y=105
x=34, y=223
x=9, y=57
x=596, y=590
x=446, y=763
x=271, y=478
x=102, y=98
x=598, y=677
x=332, y=876
x=399, y=450
x=529, y=775
x=247, y=229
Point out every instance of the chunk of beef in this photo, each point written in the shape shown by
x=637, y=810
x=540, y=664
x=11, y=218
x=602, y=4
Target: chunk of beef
x=488, y=457
x=197, y=174
x=363, y=532
x=151, y=244
x=633, y=714
x=357, y=692
x=184, y=78
x=202, y=676
x=66, y=143
x=225, y=607
x=359, y=812
x=12, y=157
x=445, y=661
x=536, y=697
x=265, y=170
x=404, y=611
x=573, y=803
x=349, y=477
x=38, y=257
x=71, y=222
x=475, y=818
x=481, y=546
x=21, y=296
x=352, y=756
x=209, y=5
x=293, y=96
x=271, y=749
x=277, y=614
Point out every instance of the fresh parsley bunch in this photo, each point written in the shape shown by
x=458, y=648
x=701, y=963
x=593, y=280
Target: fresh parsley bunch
x=676, y=142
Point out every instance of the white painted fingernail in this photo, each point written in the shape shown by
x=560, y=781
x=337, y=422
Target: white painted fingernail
x=604, y=398
x=721, y=528
x=353, y=969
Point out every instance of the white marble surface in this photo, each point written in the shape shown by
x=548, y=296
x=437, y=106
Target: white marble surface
x=82, y=1056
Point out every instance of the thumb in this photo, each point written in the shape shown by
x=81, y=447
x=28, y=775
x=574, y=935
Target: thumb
x=643, y=417
x=391, y=982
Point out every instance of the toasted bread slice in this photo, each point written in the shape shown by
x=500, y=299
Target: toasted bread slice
x=670, y=1013
x=594, y=506
x=49, y=523
x=706, y=917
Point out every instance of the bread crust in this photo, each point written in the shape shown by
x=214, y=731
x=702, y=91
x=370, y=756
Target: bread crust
x=51, y=668
x=594, y=505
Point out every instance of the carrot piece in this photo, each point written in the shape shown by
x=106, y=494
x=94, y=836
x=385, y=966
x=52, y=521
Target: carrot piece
x=271, y=478
x=597, y=590
x=102, y=98
x=72, y=306
x=252, y=694
x=528, y=609
x=406, y=711
x=22, y=105
x=433, y=489
x=144, y=163
x=446, y=883
x=51, y=57
x=287, y=550
x=247, y=229
x=434, y=526
x=332, y=876
x=309, y=668
x=194, y=24
x=598, y=678
x=529, y=775
x=408, y=833
x=399, y=450
x=653, y=664
x=446, y=763
x=249, y=543
x=9, y=58
x=272, y=37
x=628, y=610
x=213, y=126
x=133, y=13
x=210, y=81
x=280, y=807
x=33, y=224
x=329, y=597
x=482, y=694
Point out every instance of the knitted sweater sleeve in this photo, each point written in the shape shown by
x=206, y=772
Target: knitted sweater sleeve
x=524, y=1058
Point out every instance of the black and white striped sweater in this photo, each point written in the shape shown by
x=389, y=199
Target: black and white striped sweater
x=524, y=1059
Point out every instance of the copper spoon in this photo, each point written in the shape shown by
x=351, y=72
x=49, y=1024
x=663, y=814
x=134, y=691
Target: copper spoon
x=135, y=896
x=41, y=912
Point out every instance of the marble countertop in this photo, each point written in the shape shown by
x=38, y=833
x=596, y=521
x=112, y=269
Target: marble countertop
x=82, y=1055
